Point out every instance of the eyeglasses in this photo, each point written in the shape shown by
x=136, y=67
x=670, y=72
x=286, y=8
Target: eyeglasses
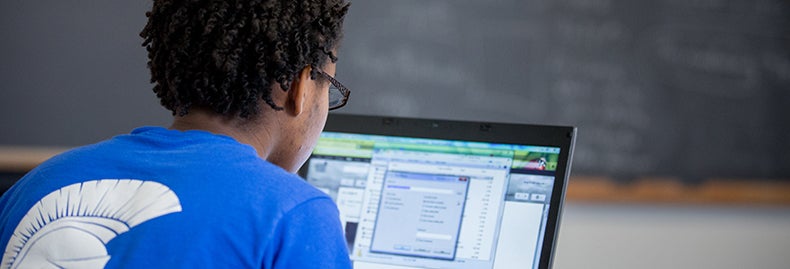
x=338, y=94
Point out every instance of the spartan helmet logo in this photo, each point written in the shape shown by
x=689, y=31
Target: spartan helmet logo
x=70, y=227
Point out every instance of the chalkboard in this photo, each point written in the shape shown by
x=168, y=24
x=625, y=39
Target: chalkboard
x=676, y=88
x=693, y=89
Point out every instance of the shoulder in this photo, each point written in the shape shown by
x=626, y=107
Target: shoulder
x=309, y=235
x=291, y=190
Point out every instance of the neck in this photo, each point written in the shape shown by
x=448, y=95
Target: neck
x=245, y=131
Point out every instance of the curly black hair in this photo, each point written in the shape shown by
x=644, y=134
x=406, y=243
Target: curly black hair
x=226, y=55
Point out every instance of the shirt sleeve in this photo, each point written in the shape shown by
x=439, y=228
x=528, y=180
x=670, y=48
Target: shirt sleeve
x=310, y=236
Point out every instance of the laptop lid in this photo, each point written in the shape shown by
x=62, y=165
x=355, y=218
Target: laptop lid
x=420, y=193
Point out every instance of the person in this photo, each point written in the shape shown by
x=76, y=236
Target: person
x=249, y=84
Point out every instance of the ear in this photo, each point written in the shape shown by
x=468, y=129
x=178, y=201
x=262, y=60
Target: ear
x=298, y=93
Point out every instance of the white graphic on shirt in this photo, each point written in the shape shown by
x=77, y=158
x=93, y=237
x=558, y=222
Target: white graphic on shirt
x=70, y=227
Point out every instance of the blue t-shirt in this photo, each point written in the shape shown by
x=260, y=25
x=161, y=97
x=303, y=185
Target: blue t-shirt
x=159, y=198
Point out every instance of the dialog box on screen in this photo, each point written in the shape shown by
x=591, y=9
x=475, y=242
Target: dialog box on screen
x=420, y=214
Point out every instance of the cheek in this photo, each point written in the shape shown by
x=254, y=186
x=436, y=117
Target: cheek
x=310, y=134
x=317, y=122
x=321, y=112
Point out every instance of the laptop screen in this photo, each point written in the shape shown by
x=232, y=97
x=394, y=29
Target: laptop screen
x=416, y=202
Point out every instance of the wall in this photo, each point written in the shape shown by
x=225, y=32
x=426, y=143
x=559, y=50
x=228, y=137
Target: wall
x=614, y=236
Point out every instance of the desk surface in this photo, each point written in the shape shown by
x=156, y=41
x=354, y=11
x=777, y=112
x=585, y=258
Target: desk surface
x=16, y=159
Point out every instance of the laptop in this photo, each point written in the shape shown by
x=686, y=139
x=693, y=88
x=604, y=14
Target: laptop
x=421, y=193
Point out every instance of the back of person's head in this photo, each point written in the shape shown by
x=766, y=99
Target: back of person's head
x=228, y=55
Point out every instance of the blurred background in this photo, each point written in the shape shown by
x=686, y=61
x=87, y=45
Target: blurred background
x=683, y=106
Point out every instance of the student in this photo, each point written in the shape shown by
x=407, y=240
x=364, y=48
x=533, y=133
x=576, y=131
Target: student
x=249, y=84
